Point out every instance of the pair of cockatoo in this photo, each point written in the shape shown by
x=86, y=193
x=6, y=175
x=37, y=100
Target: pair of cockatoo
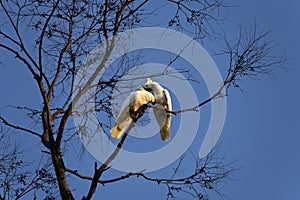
x=136, y=104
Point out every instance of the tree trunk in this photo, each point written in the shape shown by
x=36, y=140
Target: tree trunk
x=60, y=174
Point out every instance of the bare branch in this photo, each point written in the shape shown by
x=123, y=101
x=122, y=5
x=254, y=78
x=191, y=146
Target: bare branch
x=202, y=16
x=5, y=122
x=209, y=172
x=250, y=57
x=98, y=172
x=42, y=36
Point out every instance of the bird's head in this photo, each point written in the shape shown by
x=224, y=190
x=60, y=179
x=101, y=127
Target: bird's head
x=148, y=85
x=151, y=86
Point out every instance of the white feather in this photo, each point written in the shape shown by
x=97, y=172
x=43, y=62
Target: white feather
x=162, y=105
x=131, y=104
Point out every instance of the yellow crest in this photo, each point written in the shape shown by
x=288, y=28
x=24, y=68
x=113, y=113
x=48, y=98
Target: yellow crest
x=148, y=80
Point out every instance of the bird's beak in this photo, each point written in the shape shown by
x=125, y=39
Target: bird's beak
x=142, y=89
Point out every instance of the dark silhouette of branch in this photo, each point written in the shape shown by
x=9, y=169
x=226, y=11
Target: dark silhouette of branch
x=99, y=171
x=218, y=94
x=208, y=174
x=250, y=57
x=14, y=181
x=5, y=122
x=202, y=16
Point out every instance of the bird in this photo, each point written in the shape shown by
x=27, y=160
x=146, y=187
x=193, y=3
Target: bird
x=132, y=109
x=162, y=107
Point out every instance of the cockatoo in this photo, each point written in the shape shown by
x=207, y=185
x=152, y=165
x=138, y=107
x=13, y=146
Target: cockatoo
x=133, y=107
x=161, y=107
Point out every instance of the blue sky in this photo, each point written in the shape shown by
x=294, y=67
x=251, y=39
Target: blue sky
x=261, y=129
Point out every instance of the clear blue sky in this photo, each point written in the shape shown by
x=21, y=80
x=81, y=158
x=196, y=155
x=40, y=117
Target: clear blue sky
x=262, y=131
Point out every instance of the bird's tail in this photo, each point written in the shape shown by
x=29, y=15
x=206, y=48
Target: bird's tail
x=165, y=130
x=116, y=132
x=165, y=133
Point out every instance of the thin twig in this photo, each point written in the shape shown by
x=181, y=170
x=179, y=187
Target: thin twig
x=19, y=127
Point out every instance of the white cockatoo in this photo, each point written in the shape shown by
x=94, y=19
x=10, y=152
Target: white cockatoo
x=133, y=107
x=161, y=107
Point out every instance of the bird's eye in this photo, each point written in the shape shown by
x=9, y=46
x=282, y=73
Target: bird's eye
x=146, y=87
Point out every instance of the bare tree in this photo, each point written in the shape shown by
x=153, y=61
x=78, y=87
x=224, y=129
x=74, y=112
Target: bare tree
x=63, y=33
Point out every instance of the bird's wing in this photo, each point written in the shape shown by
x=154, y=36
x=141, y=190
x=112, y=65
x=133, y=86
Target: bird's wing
x=141, y=98
x=135, y=102
x=123, y=118
x=163, y=117
x=167, y=100
x=140, y=105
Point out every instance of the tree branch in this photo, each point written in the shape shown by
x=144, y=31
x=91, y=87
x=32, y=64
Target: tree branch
x=42, y=36
x=98, y=172
x=207, y=174
x=5, y=122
